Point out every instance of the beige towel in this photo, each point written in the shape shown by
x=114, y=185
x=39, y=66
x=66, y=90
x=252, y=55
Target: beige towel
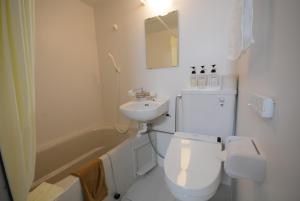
x=92, y=179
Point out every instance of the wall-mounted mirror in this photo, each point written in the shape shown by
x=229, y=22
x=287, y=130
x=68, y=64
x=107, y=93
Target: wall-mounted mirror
x=162, y=41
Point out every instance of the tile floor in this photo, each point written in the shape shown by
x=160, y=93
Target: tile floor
x=152, y=187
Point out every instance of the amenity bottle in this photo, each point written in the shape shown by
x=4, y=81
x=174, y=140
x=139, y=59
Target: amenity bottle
x=202, y=78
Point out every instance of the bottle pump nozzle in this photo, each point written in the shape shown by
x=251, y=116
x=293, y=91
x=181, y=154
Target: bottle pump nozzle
x=213, y=70
x=202, y=69
x=193, y=70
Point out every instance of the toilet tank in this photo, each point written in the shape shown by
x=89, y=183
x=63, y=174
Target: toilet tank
x=208, y=112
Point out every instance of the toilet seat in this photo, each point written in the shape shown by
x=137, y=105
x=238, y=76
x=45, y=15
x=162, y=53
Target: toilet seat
x=192, y=169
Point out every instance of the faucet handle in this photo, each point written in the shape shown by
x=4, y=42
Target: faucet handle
x=140, y=89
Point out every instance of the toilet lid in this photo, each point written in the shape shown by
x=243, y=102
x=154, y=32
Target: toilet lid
x=192, y=164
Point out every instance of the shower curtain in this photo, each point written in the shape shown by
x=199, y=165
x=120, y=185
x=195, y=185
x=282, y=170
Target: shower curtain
x=17, y=98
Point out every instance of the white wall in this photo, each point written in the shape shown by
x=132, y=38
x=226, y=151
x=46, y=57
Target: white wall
x=67, y=72
x=272, y=68
x=203, y=34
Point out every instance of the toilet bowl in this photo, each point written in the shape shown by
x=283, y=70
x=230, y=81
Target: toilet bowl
x=192, y=168
x=192, y=165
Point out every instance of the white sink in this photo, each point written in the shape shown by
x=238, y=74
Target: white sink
x=145, y=110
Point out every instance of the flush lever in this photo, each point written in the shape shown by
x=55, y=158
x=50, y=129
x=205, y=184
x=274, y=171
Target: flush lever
x=222, y=101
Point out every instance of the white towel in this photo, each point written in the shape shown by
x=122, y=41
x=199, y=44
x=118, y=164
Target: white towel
x=241, y=36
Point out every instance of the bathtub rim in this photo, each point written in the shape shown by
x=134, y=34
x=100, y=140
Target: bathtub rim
x=60, y=140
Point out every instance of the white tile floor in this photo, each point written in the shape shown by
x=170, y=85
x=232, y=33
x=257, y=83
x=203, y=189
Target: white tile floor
x=152, y=187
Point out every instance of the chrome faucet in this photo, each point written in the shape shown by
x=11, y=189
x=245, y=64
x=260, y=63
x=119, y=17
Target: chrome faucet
x=140, y=93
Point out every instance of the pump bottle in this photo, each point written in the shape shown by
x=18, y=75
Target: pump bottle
x=193, y=78
x=214, y=77
x=202, y=78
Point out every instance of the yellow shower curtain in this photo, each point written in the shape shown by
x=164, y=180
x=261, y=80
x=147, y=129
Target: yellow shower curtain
x=17, y=99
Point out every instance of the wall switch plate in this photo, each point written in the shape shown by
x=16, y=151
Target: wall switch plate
x=263, y=105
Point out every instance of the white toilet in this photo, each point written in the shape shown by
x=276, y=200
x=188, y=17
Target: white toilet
x=192, y=167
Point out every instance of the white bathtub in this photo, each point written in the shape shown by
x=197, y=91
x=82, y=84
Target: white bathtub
x=123, y=157
x=60, y=159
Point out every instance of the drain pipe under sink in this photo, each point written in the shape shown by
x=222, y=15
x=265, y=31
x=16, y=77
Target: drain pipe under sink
x=146, y=128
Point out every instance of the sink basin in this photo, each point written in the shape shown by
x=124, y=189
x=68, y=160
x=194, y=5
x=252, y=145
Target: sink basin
x=145, y=110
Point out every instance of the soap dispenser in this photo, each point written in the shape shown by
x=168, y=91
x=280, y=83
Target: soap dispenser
x=193, y=78
x=214, y=78
x=202, y=78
